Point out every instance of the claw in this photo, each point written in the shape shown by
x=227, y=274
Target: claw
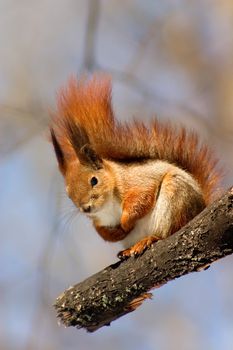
x=138, y=248
x=124, y=254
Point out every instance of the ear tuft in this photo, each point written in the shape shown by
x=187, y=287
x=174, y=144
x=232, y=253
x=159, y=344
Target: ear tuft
x=76, y=134
x=79, y=140
x=58, y=151
x=89, y=157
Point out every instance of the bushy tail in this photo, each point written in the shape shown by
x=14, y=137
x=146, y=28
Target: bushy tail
x=86, y=104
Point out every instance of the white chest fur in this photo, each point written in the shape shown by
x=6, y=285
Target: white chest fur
x=144, y=227
x=110, y=213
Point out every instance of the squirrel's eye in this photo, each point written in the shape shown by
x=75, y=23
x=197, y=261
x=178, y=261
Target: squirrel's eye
x=94, y=181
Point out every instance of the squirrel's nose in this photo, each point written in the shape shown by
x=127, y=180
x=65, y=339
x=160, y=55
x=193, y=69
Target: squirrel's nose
x=86, y=208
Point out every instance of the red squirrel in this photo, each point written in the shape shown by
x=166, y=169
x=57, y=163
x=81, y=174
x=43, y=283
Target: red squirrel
x=137, y=183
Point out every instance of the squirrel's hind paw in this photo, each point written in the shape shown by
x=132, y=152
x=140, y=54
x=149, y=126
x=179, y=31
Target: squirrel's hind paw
x=138, y=248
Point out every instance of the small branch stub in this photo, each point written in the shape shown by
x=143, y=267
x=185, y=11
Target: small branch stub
x=120, y=288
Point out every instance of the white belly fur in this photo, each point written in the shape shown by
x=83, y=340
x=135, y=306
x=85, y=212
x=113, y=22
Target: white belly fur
x=144, y=227
x=110, y=215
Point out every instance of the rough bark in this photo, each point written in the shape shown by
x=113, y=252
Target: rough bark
x=121, y=287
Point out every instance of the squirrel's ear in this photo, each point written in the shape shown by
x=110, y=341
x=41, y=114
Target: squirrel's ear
x=58, y=151
x=80, y=142
x=87, y=156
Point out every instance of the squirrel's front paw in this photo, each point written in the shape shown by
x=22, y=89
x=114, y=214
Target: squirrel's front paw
x=138, y=248
x=126, y=224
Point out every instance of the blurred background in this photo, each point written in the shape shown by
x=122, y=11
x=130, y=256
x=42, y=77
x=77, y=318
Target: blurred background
x=172, y=59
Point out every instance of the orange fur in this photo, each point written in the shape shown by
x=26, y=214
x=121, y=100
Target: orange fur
x=138, y=248
x=87, y=103
x=137, y=203
x=111, y=234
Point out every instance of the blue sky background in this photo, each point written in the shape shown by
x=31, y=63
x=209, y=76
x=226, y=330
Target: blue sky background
x=172, y=59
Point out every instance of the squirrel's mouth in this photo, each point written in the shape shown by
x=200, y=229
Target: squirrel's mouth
x=92, y=212
x=89, y=209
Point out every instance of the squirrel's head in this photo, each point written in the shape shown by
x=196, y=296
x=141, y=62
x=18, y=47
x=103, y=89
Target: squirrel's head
x=89, y=180
x=89, y=187
x=83, y=110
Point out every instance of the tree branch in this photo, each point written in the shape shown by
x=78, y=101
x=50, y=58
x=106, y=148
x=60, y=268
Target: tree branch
x=90, y=34
x=121, y=287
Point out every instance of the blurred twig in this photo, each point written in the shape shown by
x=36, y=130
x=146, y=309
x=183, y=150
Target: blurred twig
x=90, y=35
x=20, y=112
x=137, y=84
x=31, y=122
x=142, y=46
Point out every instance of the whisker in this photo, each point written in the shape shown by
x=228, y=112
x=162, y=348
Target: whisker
x=67, y=218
